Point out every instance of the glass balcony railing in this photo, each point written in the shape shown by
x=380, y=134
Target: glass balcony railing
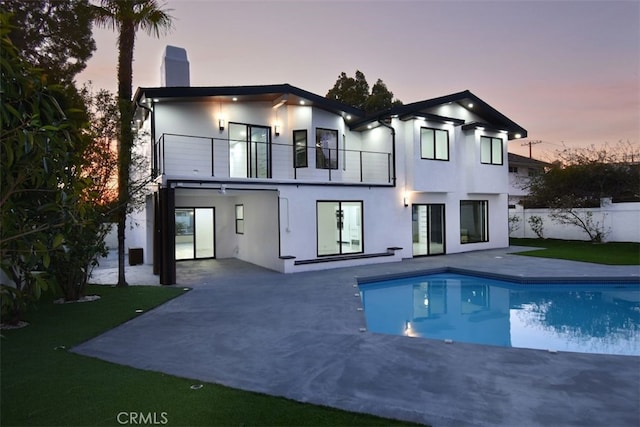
x=200, y=157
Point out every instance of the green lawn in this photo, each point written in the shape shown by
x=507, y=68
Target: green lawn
x=612, y=253
x=42, y=385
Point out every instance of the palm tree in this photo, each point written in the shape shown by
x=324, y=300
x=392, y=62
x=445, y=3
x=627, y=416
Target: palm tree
x=127, y=17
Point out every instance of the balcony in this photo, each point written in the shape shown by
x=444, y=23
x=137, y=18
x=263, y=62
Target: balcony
x=197, y=157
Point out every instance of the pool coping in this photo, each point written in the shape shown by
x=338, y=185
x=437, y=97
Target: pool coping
x=521, y=279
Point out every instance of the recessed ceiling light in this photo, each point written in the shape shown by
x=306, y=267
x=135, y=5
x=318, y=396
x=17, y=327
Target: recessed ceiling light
x=368, y=126
x=155, y=100
x=302, y=102
x=234, y=99
x=348, y=117
x=479, y=128
x=470, y=105
x=518, y=135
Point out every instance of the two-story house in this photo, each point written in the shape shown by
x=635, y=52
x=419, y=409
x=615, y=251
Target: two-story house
x=292, y=181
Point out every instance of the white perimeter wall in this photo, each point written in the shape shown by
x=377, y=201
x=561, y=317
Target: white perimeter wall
x=622, y=220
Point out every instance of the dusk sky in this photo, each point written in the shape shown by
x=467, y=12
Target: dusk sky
x=567, y=71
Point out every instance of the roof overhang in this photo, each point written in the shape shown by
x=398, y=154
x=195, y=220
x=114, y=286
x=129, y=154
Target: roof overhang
x=277, y=95
x=492, y=119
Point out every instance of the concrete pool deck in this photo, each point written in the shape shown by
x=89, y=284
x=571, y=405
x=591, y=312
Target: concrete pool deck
x=298, y=336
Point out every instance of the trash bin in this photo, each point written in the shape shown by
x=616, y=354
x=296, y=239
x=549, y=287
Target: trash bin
x=135, y=256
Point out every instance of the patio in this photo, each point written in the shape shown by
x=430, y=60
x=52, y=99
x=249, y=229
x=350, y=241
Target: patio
x=299, y=336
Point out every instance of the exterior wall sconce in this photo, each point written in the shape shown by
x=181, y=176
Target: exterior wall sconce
x=406, y=204
x=276, y=130
x=221, y=124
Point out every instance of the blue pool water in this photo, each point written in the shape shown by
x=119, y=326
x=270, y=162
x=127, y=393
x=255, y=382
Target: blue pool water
x=590, y=318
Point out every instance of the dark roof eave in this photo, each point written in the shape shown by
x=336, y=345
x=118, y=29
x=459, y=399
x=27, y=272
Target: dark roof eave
x=514, y=130
x=208, y=91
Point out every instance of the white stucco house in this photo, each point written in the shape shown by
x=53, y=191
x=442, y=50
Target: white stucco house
x=292, y=181
x=521, y=170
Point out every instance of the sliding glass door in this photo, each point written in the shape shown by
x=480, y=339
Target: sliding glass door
x=339, y=228
x=249, y=151
x=195, y=233
x=428, y=229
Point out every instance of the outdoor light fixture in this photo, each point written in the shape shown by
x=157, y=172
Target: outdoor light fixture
x=276, y=129
x=470, y=105
x=221, y=124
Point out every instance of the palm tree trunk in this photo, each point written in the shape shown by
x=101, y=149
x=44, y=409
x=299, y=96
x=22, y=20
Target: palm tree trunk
x=126, y=42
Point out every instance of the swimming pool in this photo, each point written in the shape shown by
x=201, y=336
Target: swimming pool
x=585, y=318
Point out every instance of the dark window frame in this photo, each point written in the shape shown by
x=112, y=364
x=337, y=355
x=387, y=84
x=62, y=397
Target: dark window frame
x=249, y=147
x=296, y=153
x=484, y=232
x=433, y=142
x=492, y=140
x=340, y=252
x=239, y=221
x=323, y=162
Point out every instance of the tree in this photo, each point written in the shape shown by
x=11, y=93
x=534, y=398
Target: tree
x=580, y=179
x=101, y=162
x=53, y=35
x=37, y=146
x=94, y=178
x=583, y=176
x=127, y=17
x=380, y=99
x=355, y=92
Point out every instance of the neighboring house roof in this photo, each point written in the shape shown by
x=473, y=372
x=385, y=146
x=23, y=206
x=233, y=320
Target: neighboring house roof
x=357, y=119
x=516, y=160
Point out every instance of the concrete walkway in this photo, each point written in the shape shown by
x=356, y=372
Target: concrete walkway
x=298, y=336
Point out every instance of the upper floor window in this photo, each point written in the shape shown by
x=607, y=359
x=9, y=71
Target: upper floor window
x=513, y=169
x=490, y=150
x=300, y=149
x=434, y=144
x=326, y=148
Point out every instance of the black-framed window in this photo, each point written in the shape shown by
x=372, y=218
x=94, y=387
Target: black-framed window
x=491, y=150
x=474, y=221
x=250, y=149
x=300, y=149
x=434, y=144
x=339, y=227
x=326, y=148
x=239, y=219
x=513, y=169
x=344, y=152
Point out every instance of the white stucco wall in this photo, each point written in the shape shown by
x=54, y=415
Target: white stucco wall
x=619, y=220
x=498, y=230
x=386, y=222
